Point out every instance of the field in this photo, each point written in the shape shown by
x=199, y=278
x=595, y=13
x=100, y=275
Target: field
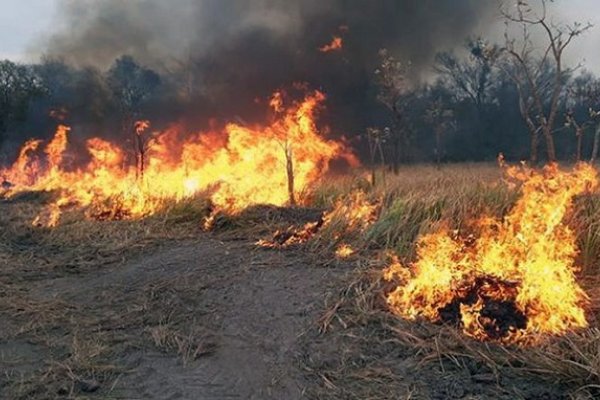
x=171, y=307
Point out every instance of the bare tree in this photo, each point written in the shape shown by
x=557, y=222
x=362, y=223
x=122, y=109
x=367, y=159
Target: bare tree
x=132, y=86
x=143, y=143
x=580, y=94
x=441, y=119
x=276, y=103
x=471, y=77
x=394, y=93
x=579, y=128
x=595, y=114
x=376, y=138
x=587, y=94
x=530, y=63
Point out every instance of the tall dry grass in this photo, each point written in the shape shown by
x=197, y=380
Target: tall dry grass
x=414, y=202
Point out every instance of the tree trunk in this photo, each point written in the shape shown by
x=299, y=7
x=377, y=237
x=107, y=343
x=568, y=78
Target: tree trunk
x=596, y=144
x=550, y=148
x=396, y=155
x=382, y=162
x=438, y=147
x=140, y=158
x=373, y=165
x=533, y=130
x=579, y=144
x=533, y=156
x=290, y=174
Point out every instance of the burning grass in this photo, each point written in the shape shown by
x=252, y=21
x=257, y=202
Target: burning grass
x=511, y=279
x=380, y=353
x=361, y=349
x=286, y=157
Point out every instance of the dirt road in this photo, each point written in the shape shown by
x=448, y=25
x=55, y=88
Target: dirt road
x=250, y=305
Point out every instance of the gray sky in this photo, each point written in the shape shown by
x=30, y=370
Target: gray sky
x=23, y=23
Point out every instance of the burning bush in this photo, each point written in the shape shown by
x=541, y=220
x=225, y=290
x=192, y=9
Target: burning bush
x=511, y=280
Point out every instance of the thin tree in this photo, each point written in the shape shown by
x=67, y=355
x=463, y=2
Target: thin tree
x=394, y=94
x=592, y=100
x=441, y=119
x=276, y=104
x=376, y=138
x=143, y=143
x=132, y=86
x=530, y=63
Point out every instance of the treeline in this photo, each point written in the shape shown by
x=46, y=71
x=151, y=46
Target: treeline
x=473, y=111
x=517, y=97
x=35, y=98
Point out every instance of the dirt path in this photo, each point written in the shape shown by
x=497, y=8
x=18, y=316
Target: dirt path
x=252, y=304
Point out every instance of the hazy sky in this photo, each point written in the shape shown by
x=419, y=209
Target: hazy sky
x=24, y=22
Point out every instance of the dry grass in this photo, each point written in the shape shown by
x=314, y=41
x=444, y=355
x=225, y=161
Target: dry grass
x=82, y=341
x=380, y=352
x=377, y=354
x=360, y=352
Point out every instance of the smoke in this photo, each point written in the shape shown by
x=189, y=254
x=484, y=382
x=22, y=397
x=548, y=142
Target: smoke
x=235, y=51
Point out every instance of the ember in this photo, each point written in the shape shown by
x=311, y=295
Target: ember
x=354, y=214
x=337, y=43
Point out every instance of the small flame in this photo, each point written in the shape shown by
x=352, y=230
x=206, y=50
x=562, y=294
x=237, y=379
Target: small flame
x=141, y=126
x=336, y=44
x=344, y=251
x=355, y=213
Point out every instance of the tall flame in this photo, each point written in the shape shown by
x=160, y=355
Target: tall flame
x=514, y=280
x=240, y=165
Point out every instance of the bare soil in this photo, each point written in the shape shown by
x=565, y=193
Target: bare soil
x=211, y=318
x=248, y=309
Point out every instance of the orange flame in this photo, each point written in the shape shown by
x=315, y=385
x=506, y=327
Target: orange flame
x=516, y=280
x=344, y=251
x=336, y=44
x=240, y=166
x=354, y=213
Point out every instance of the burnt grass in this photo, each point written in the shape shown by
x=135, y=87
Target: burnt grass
x=499, y=317
x=157, y=308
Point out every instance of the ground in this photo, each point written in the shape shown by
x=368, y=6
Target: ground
x=255, y=334
x=250, y=307
x=161, y=309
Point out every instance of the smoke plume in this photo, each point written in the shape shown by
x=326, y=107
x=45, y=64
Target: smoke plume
x=232, y=52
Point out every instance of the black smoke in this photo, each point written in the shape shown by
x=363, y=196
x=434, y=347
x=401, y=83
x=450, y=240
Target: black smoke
x=228, y=53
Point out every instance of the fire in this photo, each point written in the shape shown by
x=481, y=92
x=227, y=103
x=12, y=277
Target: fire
x=344, y=251
x=336, y=44
x=354, y=213
x=512, y=282
x=239, y=166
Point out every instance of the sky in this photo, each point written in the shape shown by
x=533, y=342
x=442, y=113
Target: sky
x=24, y=23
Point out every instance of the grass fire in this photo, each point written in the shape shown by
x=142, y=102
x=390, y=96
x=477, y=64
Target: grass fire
x=509, y=280
x=287, y=156
x=299, y=200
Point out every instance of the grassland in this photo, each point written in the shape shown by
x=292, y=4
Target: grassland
x=358, y=350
